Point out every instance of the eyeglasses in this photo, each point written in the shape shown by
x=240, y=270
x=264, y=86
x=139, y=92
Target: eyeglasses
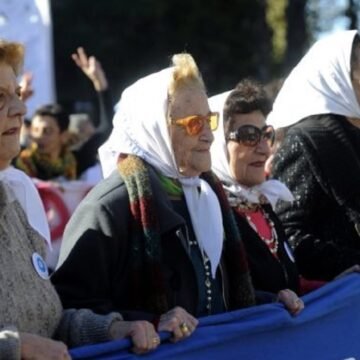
x=195, y=123
x=250, y=135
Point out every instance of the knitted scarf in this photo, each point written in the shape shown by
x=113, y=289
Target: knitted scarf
x=147, y=285
x=40, y=166
x=148, y=289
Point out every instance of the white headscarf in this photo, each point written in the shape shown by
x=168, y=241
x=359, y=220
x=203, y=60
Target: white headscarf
x=319, y=84
x=273, y=190
x=140, y=128
x=23, y=189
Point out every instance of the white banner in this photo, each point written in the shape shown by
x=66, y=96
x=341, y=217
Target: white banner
x=60, y=201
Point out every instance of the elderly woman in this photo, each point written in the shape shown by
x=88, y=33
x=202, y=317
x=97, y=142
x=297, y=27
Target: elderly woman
x=157, y=237
x=241, y=147
x=30, y=309
x=319, y=159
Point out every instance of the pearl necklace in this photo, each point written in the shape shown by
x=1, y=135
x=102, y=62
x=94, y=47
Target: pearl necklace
x=273, y=243
x=208, y=284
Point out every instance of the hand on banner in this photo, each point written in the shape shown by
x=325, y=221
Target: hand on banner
x=179, y=322
x=142, y=333
x=92, y=68
x=40, y=348
x=350, y=270
x=291, y=301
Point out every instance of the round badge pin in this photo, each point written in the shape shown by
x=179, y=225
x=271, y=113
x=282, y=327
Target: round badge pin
x=40, y=266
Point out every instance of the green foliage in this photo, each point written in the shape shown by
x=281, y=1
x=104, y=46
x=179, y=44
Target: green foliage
x=229, y=39
x=276, y=18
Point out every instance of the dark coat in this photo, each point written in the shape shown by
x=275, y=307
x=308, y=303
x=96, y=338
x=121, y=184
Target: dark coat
x=267, y=272
x=86, y=154
x=100, y=233
x=319, y=161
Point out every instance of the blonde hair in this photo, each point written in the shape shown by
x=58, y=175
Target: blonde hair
x=186, y=73
x=12, y=54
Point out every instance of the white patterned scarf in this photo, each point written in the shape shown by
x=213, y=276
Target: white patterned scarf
x=319, y=84
x=273, y=190
x=23, y=189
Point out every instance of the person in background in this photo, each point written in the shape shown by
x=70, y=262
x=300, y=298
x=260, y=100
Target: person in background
x=30, y=309
x=25, y=137
x=81, y=129
x=49, y=157
x=241, y=148
x=319, y=158
x=26, y=92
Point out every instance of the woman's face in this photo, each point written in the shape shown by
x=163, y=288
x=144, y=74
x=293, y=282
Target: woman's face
x=12, y=110
x=247, y=163
x=192, y=152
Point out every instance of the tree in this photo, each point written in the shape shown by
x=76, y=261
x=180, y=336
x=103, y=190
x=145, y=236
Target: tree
x=287, y=19
x=229, y=39
x=351, y=13
x=296, y=35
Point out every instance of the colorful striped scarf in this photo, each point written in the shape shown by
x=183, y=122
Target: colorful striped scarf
x=146, y=276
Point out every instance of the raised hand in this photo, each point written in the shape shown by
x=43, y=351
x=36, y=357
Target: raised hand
x=26, y=89
x=92, y=68
x=35, y=347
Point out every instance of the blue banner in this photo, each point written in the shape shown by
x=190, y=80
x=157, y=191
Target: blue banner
x=328, y=328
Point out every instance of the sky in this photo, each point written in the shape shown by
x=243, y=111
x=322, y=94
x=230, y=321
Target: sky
x=330, y=10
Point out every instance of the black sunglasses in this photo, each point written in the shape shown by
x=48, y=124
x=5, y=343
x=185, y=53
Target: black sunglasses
x=251, y=135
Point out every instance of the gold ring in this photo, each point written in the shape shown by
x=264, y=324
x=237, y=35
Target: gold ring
x=184, y=328
x=155, y=340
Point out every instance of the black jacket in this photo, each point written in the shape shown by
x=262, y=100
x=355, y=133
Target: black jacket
x=267, y=272
x=86, y=154
x=319, y=161
x=99, y=232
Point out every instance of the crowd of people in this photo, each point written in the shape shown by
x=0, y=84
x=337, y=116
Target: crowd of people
x=202, y=209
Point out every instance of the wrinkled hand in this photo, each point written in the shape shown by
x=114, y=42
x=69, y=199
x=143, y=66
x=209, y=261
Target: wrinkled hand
x=91, y=67
x=291, y=301
x=352, y=269
x=26, y=89
x=35, y=347
x=142, y=333
x=179, y=322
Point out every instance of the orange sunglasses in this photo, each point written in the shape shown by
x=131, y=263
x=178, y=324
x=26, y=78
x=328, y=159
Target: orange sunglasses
x=195, y=123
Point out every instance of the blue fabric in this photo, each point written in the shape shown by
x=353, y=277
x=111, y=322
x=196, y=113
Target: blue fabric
x=328, y=328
